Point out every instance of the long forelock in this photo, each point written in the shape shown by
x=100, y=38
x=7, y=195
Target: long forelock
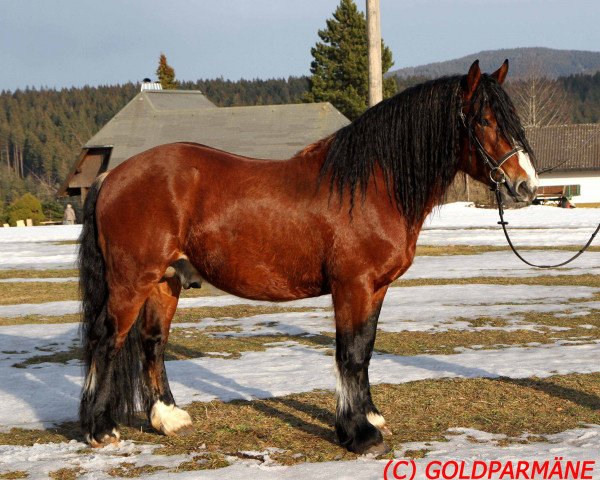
x=490, y=94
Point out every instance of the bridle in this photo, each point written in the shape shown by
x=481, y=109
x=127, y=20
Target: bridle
x=495, y=167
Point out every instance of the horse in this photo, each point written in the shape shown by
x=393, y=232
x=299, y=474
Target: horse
x=341, y=217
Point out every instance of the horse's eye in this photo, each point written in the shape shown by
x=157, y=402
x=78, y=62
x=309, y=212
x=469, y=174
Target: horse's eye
x=484, y=122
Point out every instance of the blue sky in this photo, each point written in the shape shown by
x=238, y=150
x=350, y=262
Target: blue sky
x=59, y=43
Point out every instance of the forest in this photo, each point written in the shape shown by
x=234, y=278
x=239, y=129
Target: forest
x=42, y=130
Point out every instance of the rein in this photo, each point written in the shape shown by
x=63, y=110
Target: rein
x=504, y=223
x=495, y=167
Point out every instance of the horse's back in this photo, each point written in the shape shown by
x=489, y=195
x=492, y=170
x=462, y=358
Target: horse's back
x=247, y=225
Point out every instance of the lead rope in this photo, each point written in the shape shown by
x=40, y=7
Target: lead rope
x=504, y=223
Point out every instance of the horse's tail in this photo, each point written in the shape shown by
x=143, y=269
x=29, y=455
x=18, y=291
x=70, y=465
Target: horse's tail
x=123, y=374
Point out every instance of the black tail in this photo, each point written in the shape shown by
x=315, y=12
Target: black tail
x=119, y=386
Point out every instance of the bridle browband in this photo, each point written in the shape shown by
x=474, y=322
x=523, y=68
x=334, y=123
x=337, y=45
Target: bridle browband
x=495, y=167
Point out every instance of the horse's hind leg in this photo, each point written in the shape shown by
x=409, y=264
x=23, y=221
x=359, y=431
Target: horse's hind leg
x=358, y=423
x=110, y=388
x=158, y=313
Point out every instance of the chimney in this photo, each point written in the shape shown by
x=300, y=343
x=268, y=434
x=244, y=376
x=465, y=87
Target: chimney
x=148, y=84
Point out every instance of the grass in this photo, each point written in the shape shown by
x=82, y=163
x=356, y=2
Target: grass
x=66, y=473
x=186, y=344
x=586, y=280
x=19, y=292
x=303, y=423
x=450, y=342
x=57, y=273
x=15, y=474
x=188, y=315
x=438, y=250
x=190, y=343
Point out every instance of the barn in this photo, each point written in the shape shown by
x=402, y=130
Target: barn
x=574, y=151
x=156, y=117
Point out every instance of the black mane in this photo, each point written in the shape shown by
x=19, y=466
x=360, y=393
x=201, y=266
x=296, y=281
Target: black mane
x=414, y=138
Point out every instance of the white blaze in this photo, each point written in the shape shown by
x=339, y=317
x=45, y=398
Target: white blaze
x=527, y=166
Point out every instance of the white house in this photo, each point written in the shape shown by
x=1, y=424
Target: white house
x=574, y=152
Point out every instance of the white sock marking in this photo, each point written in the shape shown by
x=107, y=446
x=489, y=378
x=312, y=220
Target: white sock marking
x=375, y=419
x=168, y=418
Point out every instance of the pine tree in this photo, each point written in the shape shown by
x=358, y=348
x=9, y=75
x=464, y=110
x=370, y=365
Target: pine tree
x=340, y=69
x=166, y=73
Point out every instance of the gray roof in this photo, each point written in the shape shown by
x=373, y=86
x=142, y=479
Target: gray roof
x=271, y=131
x=571, y=147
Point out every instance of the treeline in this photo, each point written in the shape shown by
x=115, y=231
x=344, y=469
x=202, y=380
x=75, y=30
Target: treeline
x=227, y=93
x=42, y=130
x=584, y=93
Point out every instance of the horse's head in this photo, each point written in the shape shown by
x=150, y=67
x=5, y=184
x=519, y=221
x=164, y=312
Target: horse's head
x=494, y=149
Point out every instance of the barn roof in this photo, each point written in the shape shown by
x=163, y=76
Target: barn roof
x=157, y=117
x=571, y=147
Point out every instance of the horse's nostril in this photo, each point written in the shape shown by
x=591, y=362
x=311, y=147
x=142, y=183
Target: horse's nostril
x=525, y=190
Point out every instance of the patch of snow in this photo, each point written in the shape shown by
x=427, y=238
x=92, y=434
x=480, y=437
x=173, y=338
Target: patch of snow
x=256, y=374
x=501, y=264
x=39, y=280
x=48, y=233
x=36, y=255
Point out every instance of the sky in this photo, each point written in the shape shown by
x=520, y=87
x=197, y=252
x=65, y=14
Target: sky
x=61, y=43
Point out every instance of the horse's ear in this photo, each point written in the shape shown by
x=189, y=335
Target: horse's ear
x=500, y=74
x=472, y=80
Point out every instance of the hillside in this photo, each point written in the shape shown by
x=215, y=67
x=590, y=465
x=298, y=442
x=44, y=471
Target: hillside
x=523, y=62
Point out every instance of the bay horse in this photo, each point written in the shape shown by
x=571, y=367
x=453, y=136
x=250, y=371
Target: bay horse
x=341, y=217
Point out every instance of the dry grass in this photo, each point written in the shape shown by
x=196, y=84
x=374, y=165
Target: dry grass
x=14, y=475
x=66, y=473
x=18, y=293
x=4, y=274
x=38, y=292
x=445, y=250
x=192, y=343
x=450, y=342
x=188, y=315
x=302, y=424
x=587, y=280
x=39, y=319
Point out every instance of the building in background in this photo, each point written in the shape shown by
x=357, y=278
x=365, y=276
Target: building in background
x=155, y=117
x=575, y=152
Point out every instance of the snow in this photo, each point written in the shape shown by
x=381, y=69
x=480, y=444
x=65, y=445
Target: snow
x=254, y=374
x=424, y=308
x=501, y=264
x=36, y=255
x=50, y=233
x=48, y=393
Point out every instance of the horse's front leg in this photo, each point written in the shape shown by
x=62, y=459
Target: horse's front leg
x=358, y=424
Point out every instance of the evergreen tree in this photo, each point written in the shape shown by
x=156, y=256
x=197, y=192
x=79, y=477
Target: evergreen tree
x=166, y=73
x=340, y=69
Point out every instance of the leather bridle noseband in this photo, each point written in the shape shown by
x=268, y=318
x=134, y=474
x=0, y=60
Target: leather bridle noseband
x=495, y=167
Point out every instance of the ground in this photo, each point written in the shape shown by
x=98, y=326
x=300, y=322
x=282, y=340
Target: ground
x=477, y=357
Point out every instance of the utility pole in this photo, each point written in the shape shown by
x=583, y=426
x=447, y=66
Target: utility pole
x=375, y=69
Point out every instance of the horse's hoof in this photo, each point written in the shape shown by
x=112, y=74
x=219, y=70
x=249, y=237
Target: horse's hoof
x=377, y=450
x=169, y=419
x=107, y=439
x=183, y=431
x=385, y=431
